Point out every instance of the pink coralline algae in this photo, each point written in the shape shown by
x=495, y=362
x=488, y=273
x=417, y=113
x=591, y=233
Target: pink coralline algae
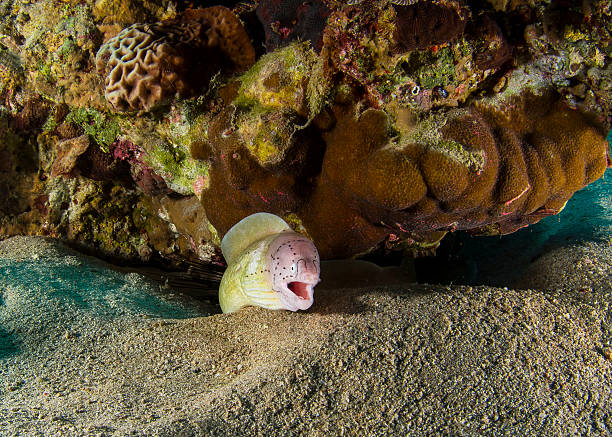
x=200, y=184
x=126, y=151
x=143, y=174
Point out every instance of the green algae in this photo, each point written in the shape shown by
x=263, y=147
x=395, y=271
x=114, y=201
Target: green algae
x=102, y=128
x=167, y=144
x=172, y=158
x=279, y=80
x=430, y=69
x=318, y=90
x=279, y=95
x=428, y=132
x=268, y=135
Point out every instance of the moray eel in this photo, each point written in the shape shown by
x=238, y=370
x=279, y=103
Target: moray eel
x=268, y=265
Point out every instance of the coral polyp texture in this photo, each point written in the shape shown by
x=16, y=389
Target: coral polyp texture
x=478, y=169
x=140, y=68
x=148, y=63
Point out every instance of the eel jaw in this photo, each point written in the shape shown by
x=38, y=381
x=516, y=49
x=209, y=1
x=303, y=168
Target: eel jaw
x=298, y=294
x=293, y=270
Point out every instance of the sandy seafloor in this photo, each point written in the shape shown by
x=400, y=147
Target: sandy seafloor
x=85, y=350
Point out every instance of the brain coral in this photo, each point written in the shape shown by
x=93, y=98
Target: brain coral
x=148, y=63
x=140, y=67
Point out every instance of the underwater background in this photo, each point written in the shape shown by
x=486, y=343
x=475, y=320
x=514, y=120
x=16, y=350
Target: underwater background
x=135, y=134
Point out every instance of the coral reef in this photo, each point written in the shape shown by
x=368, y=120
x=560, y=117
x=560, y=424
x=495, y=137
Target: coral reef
x=245, y=185
x=146, y=64
x=397, y=55
x=18, y=165
x=484, y=169
x=417, y=117
x=275, y=100
x=488, y=169
x=491, y=49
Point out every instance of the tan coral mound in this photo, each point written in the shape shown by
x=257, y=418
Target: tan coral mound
x=480, y=169
x=148, y=63
x=486, y=169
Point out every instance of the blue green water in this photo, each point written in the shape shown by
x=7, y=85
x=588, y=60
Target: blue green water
x=65, y=288
x=586, y=217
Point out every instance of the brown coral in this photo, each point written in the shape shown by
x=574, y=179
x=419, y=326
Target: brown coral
x=491, y=168
x=424, y=24
x=480, y=169
x=239, y=184
x=148, y=63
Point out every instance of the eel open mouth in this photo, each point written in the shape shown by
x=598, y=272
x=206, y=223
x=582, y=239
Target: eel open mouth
x=300, y=289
